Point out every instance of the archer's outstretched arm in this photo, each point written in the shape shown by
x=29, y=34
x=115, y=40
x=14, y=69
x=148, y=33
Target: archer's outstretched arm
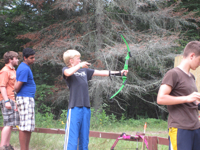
x=104, y=73
x=73, y=69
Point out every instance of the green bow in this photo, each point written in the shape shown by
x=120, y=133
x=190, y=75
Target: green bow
x=124, y=78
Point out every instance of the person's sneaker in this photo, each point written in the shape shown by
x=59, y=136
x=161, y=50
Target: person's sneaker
x=10, y=147
x=3, y=148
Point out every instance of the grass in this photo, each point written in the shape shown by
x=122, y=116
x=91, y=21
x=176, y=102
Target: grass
x=106, y=144
x=154, y=128
x=100, y=122
x=40, y=141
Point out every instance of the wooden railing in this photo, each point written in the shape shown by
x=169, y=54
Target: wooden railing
x=153, y=141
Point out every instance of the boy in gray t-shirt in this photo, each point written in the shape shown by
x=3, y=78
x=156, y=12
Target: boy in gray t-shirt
x=179, y=92
x=77, y=74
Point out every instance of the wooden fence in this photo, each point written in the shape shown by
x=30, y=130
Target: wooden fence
x=153, y=141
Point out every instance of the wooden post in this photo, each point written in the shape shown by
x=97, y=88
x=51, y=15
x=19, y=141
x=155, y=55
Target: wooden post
x=152, y=143
x=143, y=145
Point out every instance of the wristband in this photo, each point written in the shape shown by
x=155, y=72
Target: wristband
x=7, y=101
x=116, y=74
x=80, y=66
x=109, y=72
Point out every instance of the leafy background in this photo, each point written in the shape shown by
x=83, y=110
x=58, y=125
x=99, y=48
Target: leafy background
x=156, y=32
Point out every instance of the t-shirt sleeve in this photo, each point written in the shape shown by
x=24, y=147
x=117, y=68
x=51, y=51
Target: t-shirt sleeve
x=90, y=73
x=63, y=71
x=23, y=76
x=3, y=78
x=170, y=78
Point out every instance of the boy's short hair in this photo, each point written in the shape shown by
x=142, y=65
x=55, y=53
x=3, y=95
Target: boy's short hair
x=28, y=52
x=192, y=47
x=69, y=54
x=9, y=55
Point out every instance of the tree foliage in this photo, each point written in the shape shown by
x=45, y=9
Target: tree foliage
x=153, y=30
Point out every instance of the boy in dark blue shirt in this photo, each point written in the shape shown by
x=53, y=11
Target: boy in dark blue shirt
x=77, y=74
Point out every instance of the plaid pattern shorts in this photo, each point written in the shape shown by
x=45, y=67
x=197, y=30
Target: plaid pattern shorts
x=26, y=106
x=10, y=116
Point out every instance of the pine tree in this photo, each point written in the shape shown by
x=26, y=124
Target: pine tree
x=151, y=28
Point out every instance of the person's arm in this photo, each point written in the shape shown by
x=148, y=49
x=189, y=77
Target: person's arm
x=106, y=72
x=18, y=86
x=5, y=97
x=164, y=98
x=70, y=71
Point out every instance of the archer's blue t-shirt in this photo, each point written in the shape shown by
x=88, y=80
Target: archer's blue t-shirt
x=24, y=74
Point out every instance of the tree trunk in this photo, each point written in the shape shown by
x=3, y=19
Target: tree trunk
x=99, y=21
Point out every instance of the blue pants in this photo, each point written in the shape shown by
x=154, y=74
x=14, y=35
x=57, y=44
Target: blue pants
x=180, y=139
x=77, y=128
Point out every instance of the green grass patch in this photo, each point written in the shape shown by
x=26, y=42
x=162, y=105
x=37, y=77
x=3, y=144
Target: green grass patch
x=100, y=122
x=40, y=141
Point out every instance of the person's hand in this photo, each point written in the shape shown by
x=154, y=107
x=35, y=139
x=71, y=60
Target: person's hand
x=195, y=96
x=197, y=102
x=8, y=105
x=84, y=64
x=124, y=72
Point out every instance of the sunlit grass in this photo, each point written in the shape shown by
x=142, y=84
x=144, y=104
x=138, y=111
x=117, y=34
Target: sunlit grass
x=100, y=122
x=41, y=141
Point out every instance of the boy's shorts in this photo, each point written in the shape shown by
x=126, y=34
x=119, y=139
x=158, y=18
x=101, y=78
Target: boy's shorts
x=181, y=139
x=26, y=106
x=10, y=116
